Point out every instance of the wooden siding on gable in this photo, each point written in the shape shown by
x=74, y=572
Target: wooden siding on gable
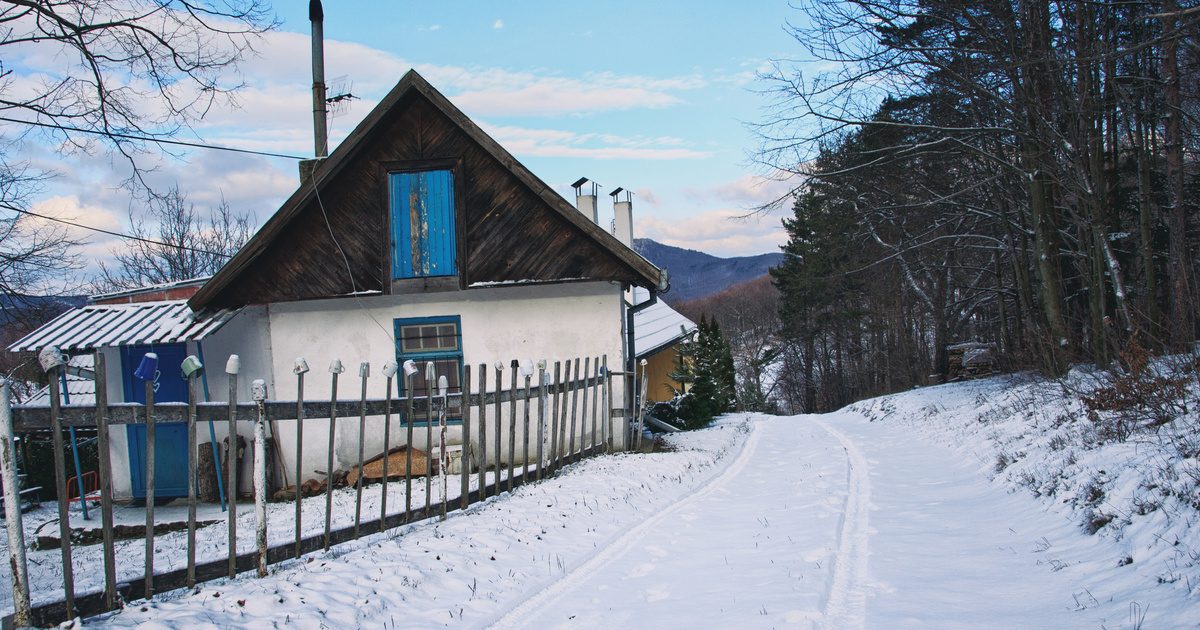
x=506, y=232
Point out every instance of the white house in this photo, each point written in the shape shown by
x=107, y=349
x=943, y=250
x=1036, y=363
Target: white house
x=419, y=238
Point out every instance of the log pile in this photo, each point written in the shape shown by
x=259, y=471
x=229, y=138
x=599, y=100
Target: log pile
x=971, y=360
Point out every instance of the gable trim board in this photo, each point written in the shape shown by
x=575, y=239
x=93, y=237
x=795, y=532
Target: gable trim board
x=640, y=271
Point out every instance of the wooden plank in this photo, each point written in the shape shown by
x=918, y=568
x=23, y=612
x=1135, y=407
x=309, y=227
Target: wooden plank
x=105, y=461
x=300, y=370
x=593, y=439
x=387, y=442
x=552, y=459
x=260, y=480
x=193, y=385
x=512, y=425
x=607, y=431
x=525, y=433
x=334, y=369
x=574, y=416
x=60, y=488
x=30, y=419
x=13, y=521
x=231, y=368
x=541, y=420
x=364, y=370
x=499, y=425
x=583, y=418
x=408, y=420
x=464, y=492
x=150, y=448
x=483, y=459
x=430, y=379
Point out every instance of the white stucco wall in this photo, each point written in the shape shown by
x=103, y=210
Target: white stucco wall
x=528, y=323
x=553, y=322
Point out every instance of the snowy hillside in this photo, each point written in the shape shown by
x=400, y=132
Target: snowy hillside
x=1138, y=489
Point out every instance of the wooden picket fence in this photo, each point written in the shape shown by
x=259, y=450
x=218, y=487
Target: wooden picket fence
x=571, y=414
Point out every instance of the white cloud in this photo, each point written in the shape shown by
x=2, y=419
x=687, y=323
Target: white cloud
x=526, y=142
x=746, y=192
x=498, y=24
x=716, y=232
x=70, y=208
x=431, y=28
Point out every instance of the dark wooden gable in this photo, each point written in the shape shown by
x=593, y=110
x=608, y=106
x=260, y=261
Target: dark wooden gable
x=511, y=226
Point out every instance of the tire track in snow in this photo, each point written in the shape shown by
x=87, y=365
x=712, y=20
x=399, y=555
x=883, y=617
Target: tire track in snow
x=845, y=605
x=621, y=544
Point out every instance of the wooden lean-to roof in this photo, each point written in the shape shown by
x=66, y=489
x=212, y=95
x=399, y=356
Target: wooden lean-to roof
x=512, y=227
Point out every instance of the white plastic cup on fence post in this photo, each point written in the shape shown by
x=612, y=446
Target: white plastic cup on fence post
x=12, y=511
x=258, y=391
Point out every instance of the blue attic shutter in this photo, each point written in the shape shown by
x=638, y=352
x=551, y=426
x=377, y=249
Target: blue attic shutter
x=422, y=215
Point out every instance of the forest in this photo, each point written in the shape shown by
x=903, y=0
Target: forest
x=1016, y=172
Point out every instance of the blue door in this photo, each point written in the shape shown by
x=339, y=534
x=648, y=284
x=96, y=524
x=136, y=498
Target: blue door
x=170, y=438
x=422, y=216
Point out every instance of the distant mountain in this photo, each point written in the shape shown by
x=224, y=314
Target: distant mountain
x=35, y=308
x=696, y=274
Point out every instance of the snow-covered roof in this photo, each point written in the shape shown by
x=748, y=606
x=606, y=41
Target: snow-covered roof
x=656, y=326
x=80, y=390
x=104, y=325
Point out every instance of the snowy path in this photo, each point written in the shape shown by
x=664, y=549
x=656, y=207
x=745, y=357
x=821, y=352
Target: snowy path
x=810, y=521
x=833, y=522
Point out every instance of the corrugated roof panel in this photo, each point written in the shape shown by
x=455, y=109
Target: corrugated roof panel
x=103, y=325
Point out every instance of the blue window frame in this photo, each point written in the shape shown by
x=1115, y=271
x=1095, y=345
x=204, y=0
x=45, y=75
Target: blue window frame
x=422, y=224
x=436, y=339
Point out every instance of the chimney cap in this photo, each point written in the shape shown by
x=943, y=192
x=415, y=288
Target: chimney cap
x=616, y=191
x=579, y=183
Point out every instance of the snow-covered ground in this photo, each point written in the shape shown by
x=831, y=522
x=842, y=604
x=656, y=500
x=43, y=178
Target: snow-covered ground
x=890, y=513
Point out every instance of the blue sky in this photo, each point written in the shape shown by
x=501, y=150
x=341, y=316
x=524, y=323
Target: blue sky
x=651, y=96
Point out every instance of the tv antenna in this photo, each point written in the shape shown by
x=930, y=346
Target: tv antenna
x=338, y=96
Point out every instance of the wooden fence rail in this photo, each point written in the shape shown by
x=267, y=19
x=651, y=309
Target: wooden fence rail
x=534, y=405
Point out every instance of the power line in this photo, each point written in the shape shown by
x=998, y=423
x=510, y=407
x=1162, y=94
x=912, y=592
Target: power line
x=124, y=136
x=118, y=234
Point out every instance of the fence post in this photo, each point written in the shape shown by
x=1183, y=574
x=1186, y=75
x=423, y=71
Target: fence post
x=410, y=370
x=335, y=368
x=364, y=371
x=583, y=411
x=593, y=439
x=541, y=418
x=258, y=391
x=574, y=413
x=482, y=433
x=606, y=429
x=464, y=406
x=191, y=368
x=528, y=372
x=389, y=371
x=150, y=448
x=299, y=368
x=12, y=511
x=512, y=424
x=51, y=360
x=443, y=456
x=232, y=367
x=430, y=378
x=554, y=415
x=499, y=424
x=106, y=509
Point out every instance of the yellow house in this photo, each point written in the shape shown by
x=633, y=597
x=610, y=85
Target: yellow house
x=658, y=330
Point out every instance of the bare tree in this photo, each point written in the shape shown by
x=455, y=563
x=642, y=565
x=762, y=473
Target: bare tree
x=105, y=75
x=175, y=243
